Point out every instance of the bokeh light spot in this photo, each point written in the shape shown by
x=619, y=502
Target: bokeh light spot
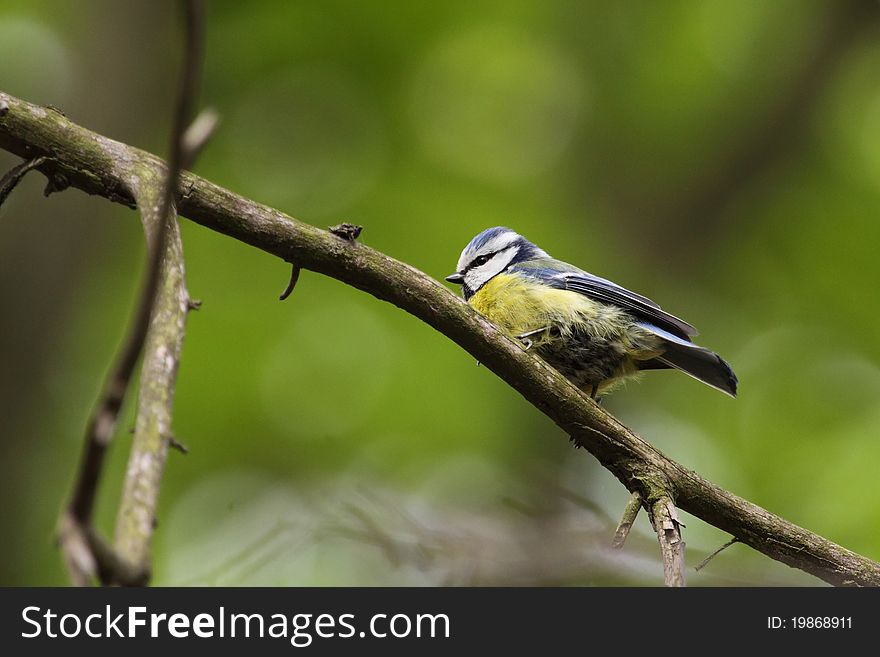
x=34, y=63
x=307, y=140
x=495, y=104
x=329, y=371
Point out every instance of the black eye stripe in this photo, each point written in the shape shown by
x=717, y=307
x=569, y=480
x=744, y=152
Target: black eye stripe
x=482, y=260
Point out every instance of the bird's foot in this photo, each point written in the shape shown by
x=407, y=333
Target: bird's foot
x=525, y=338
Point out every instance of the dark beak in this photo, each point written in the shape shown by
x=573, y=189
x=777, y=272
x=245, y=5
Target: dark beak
x=456, y=278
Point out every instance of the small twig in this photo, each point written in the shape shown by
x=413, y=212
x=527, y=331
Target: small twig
x=630, y=512
x=15, y=174
x=176, y=444
x=705, y=562
x=294, y=277
x=664, y=517
x=346, y=231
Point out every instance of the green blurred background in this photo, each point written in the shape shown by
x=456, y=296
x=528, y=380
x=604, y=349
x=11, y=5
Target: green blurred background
x=721, y=157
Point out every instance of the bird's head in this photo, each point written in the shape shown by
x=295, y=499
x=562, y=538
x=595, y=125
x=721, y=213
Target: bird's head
x=491, y=252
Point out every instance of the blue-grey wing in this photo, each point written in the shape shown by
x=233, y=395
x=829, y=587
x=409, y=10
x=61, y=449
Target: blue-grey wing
x=606, y=291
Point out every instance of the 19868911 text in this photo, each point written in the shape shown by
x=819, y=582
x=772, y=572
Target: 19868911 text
x=810, y=623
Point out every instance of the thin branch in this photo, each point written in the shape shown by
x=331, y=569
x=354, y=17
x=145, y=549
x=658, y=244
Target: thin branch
x=630, y=512
x=99, y=165
x=170, y=303
x=705, y=562
x=12, y=177
x=157, y=209
x=135, y=519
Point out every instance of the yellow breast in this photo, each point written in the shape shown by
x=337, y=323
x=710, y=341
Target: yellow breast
x=518, y=305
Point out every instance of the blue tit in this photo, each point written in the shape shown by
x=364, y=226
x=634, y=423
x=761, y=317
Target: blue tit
x=595, y=332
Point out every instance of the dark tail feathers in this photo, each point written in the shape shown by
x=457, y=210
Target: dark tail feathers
x=702, y=364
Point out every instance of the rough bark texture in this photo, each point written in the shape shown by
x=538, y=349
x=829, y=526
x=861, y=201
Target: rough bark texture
x=664, y=517
x=101, y=166
x=136, y=517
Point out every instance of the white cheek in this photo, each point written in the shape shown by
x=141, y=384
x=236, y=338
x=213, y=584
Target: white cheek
x=473, y=279
x=478, y=276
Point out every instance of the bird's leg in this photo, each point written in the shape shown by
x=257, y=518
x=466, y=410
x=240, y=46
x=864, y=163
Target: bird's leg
x=594, y=395
x=524, y=337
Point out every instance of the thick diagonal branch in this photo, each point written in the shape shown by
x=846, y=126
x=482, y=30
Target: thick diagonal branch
x=99, y=165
